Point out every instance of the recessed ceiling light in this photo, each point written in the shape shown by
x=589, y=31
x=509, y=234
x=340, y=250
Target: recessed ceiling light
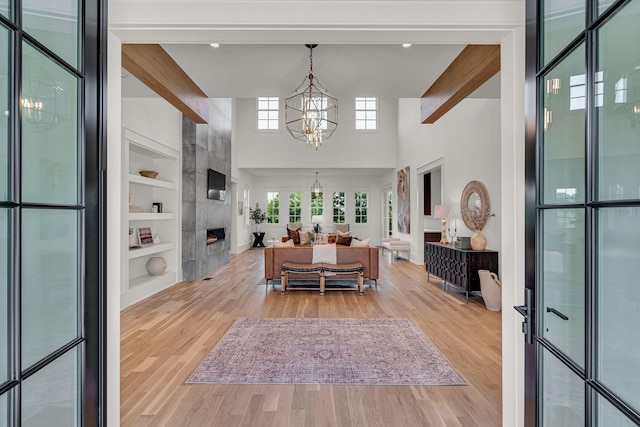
x=216, y=45
x=406, y=45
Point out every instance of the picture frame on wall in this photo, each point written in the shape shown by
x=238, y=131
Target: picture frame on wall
x=145, y=237
x=240, y=208
x=404, y=201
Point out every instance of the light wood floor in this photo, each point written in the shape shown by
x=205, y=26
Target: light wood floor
x=165, y=337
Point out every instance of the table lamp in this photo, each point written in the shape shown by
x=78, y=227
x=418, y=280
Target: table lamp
x=316, y=220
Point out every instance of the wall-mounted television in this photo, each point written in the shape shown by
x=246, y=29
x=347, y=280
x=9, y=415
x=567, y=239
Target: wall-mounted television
x=216, y=185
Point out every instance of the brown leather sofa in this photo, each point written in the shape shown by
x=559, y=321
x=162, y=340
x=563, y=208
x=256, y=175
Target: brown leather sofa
x=303, y=254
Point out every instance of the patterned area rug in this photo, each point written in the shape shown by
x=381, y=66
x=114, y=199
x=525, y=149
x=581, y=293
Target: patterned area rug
x=326, y=351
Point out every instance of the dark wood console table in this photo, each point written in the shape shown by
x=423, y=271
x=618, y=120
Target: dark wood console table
x=459, y=266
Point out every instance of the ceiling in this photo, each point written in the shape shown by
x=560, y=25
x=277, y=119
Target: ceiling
x=345, y=70
x=249, y=71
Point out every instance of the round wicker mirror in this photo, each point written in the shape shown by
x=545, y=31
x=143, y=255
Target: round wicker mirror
x=474, y=205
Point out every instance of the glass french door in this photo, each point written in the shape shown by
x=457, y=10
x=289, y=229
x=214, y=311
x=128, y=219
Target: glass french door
x=583, y=213
x=51, y=238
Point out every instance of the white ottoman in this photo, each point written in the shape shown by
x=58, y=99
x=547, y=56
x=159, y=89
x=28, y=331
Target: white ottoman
x=394, y=244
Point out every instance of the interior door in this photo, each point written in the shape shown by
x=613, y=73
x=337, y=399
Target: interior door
x=582, y=360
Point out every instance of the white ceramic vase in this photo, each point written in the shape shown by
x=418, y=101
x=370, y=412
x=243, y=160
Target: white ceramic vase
x=156, y=265
x=491, y=289
x=478, y=241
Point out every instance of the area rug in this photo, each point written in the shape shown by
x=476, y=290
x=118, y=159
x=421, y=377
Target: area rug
x=325, y=351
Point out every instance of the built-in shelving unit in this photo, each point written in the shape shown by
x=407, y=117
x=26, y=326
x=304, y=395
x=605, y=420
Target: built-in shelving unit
x=142, y=153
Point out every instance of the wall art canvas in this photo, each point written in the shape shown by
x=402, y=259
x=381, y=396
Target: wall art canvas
x=404, y=201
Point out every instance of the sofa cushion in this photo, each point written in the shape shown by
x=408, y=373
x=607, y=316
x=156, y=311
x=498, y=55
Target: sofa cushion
x=305, y=237
x=343, y=233
x=344, y=240
x=293, y=235
x=355, y=243
x=288, y=243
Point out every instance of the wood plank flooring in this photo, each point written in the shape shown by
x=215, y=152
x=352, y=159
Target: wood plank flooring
x=164, y=338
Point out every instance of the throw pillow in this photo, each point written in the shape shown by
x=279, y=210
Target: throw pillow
x=287, y=244
x=355, y=243
x=305, y=238
x=343, y=233
x=293, y=235
x=344, y=240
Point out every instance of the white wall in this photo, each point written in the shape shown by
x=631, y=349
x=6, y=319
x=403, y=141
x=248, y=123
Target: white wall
x=241, y=238
x=348, y=184
x=154, y=118
x=467, y=140
x=345, y=149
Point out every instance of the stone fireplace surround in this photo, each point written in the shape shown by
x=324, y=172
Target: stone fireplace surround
x=205, y=146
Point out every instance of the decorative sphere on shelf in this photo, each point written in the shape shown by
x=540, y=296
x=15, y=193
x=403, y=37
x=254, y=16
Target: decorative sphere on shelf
x=156, y=265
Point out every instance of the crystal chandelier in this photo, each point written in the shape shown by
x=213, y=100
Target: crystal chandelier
x=311, y=113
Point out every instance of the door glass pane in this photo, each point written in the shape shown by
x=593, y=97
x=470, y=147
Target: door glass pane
x=50, y=283
x=562, y=21
x=5, y=8
x=5, y=84
x=562, y=400
x=618, y=301
x=563, y=284
x=5, y=410
x=563, y=139
x=603, y=5
x=618, y=119
x=54, y=24
x=4, y=295
x=50, y=135
x=609, y=416
x=50, y=396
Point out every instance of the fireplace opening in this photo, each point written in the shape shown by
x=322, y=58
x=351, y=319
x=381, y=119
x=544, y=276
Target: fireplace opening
x=215, y=235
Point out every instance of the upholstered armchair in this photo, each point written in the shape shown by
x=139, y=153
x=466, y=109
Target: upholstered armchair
x=343, y=228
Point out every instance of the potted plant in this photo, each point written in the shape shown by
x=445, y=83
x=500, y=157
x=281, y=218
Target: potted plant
x=257, y=215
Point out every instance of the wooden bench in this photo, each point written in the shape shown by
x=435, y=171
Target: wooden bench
x=294, y=267
x=351, y=268
x=321, y=269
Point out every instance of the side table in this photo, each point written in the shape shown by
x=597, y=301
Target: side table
x=257, y=240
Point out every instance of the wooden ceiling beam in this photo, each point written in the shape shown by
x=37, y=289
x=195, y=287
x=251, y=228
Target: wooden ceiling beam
x=471, y=69
x=153, y=66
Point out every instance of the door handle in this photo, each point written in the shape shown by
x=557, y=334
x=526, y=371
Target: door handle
x=557, y=313
x=526, y=311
